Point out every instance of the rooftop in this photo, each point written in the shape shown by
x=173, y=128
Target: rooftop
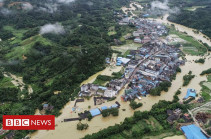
x=95, y=112
x=193, y=132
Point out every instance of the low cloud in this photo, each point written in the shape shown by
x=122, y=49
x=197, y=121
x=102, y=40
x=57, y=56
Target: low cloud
x=5, y=11
x=27, y=6
x=65, y=1
x=9, y=63
x=50, y=7
x=158, y=7
x=52, y=28
x=89, y=3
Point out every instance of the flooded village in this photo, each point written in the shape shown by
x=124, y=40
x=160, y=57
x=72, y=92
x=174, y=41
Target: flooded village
x=145, y=68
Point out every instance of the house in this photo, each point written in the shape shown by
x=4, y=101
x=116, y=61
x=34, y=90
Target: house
x=47, y=107
x=200, y=100
x=146, y=39
x=137, y=40
x=170, y=112
x=104, y=108
x=186, y=118
x=110, y=93
x=190, y=93
x=95, y=112
x=172, y=118
x=173, y=115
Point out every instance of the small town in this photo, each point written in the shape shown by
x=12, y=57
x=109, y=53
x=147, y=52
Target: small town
x=116, y=69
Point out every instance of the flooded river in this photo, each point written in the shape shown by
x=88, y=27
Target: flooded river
x=68, y=129
x=189, y=31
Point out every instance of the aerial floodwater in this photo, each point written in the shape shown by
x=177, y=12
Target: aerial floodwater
x=189, y=31
x=113, y=69
x=68, y=129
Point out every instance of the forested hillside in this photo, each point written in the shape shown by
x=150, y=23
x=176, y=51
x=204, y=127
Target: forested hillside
x=195, y=14
x=53, y=61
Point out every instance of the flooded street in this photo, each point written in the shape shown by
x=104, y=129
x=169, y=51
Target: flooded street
x=66, y=130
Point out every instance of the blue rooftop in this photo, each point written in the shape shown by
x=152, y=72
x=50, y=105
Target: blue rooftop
x=118, y=64
x=190, y=93
x=104, y=108
x=95, y=112
x=102, y=87
x=193, y=132
x=114, y=106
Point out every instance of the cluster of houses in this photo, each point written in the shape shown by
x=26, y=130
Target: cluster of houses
x=112, y=89
x=174, y=115
x=97, y=111
x=148, y=30
x=146, y=67
x=150, y=65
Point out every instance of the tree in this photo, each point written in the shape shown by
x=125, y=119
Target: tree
x=89, y=116
x=134, y=105
x=1, y=76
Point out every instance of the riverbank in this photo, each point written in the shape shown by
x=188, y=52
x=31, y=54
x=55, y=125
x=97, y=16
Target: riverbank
x=68, y=129
x=181, y=28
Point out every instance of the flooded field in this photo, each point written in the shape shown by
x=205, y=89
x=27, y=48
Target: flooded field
x=189, y=31
x=68, y=129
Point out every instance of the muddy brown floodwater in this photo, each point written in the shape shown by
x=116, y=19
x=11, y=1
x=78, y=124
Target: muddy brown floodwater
x=65, y=130
x=189, y=31
x=68, y=129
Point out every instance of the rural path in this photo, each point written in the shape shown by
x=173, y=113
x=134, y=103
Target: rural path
x=18, y=82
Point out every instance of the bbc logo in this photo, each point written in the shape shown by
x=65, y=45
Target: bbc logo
x=17, y=122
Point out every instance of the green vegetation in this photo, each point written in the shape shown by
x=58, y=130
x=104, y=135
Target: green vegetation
x=6, y=82
x=112, y=111
x=178, y=69
x=176, y=98
x=205, y=92
x=126, y=53
x=187, y=78
x=146, y=123
x=89, y=116
x=81, y=126
x=191, y=46
x=54, y=62
x=209, y=78
x=111, y=99
x=189, y=100
x=208, y=71
x=201, y=60
x=117, y=75
x=134, y=105
x=102, y=79
x=199, y=19
x=163, y=86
